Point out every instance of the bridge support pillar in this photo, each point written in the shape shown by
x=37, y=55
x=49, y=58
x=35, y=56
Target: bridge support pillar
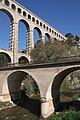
x=46, y=107
x=5, y=95
x=29, y=41
x=13, y=40
x=5, y=98
x=11, y=36
x=15, y=44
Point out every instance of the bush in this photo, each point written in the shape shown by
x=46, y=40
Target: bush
x=5, y=104
x=66, y=116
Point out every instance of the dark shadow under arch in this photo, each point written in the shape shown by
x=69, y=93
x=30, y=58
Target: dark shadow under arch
x=39, y=31
x=18, y=97
x=57, y=83
x=26, y=24
x=47, y=37
x=8, y=13
x=4, y=59
x=23, y=60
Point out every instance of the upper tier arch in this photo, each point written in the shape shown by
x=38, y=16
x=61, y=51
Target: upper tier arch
x=8, y=13
x=16, y=13
x=26, y=23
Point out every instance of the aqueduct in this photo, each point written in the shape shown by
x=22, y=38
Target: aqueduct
x=17, y=13
x=47, y=76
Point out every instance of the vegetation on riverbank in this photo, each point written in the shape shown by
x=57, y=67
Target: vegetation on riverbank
x=66, y=116
x=4, y=105
x=21, y=113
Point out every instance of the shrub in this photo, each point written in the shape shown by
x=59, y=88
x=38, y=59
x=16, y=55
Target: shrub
x=66, y=116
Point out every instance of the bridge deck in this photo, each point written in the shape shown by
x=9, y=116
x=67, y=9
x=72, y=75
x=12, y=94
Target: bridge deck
x=40, y=65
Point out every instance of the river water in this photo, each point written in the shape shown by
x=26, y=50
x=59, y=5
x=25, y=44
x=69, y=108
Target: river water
x=70, y=94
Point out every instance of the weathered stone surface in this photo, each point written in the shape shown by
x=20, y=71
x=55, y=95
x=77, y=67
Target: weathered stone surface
x=16, y=13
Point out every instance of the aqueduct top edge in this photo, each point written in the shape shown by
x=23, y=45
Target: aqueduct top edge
x=47, y=28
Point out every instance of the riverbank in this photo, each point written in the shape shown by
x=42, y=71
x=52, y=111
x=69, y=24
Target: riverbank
x=10, y=111
x=18, y=113
x=22, y=111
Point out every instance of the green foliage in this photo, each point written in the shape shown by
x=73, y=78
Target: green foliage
x=5, y=104
x=38, y=52
x=54, y=49
x=3, y=60
x=66, y=116
x=77, y=38
x=48, y=50
x=71, y=40
x=29, y=86
x=65, y=84
x=70, y=87
x=69, y=35
x=71, y=81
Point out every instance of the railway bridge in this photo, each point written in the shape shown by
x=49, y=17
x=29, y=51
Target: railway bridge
x=48, y=76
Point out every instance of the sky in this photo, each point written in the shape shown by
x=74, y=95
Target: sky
x=63, y=15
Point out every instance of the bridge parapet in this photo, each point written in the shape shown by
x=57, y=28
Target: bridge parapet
x=63, y=61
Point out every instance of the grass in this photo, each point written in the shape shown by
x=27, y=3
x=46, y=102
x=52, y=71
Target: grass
x=5, y=104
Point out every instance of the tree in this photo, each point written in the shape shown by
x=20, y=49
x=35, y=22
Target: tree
x=69, y=35
x=54, y=49
x=71, y=40
x=49, y=49
x=43, y=52
x=29, y=87
x=38, y=54
x=77, y=38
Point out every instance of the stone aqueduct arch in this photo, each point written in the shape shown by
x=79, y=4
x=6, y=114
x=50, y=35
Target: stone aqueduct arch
x=10, y=54
x=17, y=13
x=57, y=84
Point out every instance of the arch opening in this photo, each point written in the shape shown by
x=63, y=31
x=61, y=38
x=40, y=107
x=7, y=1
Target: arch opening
x=47, y=37
x=5, y=18
x=19, y=10
x=13, y=7
x=24, y=91
x=37, y=35
x=57, y=91
x=23, y=60
x=7, y=2
x=4, y=59
x=24, y=13
x=23, y=27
